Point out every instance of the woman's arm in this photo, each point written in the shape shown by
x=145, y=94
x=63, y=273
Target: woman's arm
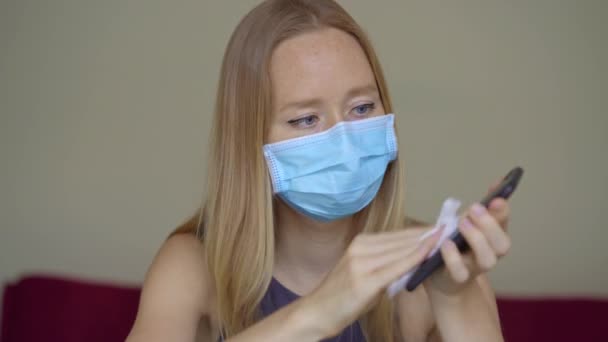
x=469, y=316
x=294, y=322
x=420, y=321
x=177, y=291
x=175, y=295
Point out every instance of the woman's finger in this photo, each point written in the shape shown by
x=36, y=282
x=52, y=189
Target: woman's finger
x=382, y=277
x=484, y=254
x=498, y=239
x=500, y=209
x=406, y=233
x=367, y=245
x=454, y=262
x=370, y=263
x=389, y=246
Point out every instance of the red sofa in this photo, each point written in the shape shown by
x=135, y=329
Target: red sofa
x=51, y=309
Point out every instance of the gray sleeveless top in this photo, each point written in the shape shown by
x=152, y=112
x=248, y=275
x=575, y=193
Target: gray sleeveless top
x=277, y=296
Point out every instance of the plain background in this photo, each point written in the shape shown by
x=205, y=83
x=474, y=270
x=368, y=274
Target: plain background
x=105, y=109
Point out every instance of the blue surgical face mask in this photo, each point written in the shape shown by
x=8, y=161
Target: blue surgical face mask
x=335, y=173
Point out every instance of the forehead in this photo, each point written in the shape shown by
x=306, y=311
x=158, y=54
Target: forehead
x=321, y=63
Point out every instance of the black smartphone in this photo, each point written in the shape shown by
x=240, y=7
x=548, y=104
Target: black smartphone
x=503, y=190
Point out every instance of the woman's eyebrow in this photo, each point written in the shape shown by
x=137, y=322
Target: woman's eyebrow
x=361, y=90
x=301, y=104
x=352, y=92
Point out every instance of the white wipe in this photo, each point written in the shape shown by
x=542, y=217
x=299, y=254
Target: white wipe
x=448, y=218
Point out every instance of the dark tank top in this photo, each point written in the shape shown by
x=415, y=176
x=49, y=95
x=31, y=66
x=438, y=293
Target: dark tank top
x=278, y=296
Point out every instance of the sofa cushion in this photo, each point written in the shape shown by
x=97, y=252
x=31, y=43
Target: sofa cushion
x=55, y=309
x=40, y=308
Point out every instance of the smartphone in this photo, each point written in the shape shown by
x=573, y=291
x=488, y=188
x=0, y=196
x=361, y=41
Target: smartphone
x=504, y=190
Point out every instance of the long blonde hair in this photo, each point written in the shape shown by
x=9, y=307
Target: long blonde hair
x=237, y=219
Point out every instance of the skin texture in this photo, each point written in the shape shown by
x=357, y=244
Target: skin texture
x=323, y=79
x=319, y=79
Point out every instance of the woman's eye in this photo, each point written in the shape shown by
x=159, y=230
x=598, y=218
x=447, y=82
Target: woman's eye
x=364, y=109
x=305, y=122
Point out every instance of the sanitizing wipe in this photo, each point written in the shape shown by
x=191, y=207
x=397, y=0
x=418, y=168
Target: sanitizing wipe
x=448, y=219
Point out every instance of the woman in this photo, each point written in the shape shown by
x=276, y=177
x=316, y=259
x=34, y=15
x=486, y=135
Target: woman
x=302, y=228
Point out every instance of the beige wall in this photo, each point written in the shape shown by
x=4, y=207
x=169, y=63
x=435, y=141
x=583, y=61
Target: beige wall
x=105, y=107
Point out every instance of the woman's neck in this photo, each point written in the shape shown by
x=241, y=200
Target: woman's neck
x=306, y=250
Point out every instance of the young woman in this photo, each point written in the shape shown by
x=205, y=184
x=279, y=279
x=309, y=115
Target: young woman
x=302, y=228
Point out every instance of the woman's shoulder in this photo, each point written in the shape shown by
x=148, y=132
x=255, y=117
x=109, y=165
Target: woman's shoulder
x=180, y=263
x=176, y=293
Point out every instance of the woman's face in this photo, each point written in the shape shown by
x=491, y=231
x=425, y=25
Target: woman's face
x=319, y=79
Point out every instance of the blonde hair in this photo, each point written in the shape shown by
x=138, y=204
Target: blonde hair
x=237, y=220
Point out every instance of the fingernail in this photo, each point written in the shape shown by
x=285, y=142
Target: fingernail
x=466, y=224
x=478, y=209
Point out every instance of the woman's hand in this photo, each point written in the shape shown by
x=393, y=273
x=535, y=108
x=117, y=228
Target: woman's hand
x=485, y=232
x=369, y=265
